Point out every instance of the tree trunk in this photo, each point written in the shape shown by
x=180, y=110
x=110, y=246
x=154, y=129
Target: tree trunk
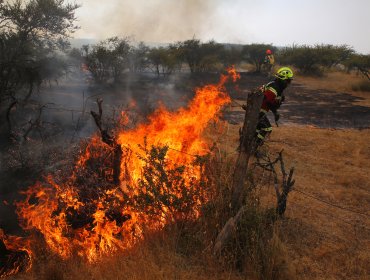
x=247, y=147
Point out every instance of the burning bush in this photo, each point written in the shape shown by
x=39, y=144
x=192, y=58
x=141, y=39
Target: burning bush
x=86, y=213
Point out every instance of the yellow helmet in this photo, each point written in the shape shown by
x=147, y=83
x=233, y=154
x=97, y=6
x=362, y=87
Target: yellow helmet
x=284, y=73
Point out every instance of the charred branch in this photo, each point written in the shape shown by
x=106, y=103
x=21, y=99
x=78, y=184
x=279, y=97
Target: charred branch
x=109, y=140
x=364, y=72
x=286, y=184
x=8, y=111
x=35, y=124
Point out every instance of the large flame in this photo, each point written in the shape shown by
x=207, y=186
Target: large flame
x=180, y=130
x=88, y=216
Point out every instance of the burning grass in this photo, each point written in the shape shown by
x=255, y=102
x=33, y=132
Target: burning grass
x=183, y=248
x=85, y=214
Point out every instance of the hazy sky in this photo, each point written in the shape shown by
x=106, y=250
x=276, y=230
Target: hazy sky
x=278, y=22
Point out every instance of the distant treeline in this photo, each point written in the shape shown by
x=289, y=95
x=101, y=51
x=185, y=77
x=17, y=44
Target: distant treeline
x=109, y=58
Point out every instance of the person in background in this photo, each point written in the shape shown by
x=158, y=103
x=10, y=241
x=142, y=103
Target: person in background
x=269, y=61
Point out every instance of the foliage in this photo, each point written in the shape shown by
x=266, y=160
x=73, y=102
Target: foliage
x=310, y=59
x=358, y=62
x=108, y=59
x=165, y=188
x=200, y=57
x=138, y=58
x=30, y=32
x=255, y=54
x=164, y=59
x=75, y=57
x=230, y=55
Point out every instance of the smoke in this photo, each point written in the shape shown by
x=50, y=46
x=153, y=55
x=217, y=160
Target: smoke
x=147, y=20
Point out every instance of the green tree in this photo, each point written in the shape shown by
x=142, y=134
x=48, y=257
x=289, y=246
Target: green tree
x=200, y=57
x=165, y=60
x=312, y=59
x=358, y=62
x=231, y=55
x=331, y=55
x=30, y=32
x=108, y=59
x=75, y=57
x=255, y=54
x=138, y=58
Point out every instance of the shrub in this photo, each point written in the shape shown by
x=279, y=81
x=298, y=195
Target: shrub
x=361, y=86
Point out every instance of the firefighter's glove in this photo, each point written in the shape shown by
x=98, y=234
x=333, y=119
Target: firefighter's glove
x=277, y=117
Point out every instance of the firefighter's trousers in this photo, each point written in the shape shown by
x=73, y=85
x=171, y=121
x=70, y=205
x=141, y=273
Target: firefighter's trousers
x=263, y=129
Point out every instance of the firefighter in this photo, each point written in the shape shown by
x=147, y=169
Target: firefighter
x=269, y=61
x=272, y=100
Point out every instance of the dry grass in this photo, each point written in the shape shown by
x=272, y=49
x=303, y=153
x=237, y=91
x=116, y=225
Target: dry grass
x=332, y=165
x=324, y=241
x=337, y=81
x=315, y=240
x=162, y=256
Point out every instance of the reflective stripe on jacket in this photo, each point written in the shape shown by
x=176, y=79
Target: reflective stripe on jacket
x=273, y=93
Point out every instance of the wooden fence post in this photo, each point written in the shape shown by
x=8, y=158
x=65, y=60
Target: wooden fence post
x=247, y=148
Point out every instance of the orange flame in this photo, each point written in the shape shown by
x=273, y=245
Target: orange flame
x=100, y=219
x=19, y=255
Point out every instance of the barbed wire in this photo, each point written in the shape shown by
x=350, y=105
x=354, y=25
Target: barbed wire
x=336, y=218
x=332, y=216
x=331, y=204
x=182, y=152
x=304, y=193
x=237, y=103
x=325, y=213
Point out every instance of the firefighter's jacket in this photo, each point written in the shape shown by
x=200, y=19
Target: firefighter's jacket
x=273, y=96
x=270, y=59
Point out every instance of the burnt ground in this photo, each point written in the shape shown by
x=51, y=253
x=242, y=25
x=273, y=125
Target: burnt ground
x=321, y=108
